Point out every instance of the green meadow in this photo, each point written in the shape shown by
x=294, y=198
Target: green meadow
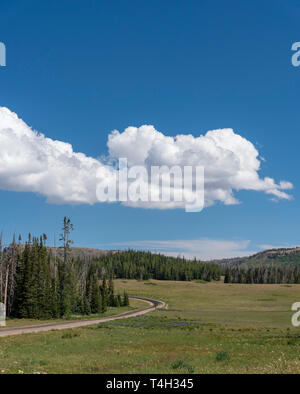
x=205, y=328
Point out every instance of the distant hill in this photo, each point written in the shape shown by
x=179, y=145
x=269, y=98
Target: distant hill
x=74, y=252
x=287, y=256
x=81, y=253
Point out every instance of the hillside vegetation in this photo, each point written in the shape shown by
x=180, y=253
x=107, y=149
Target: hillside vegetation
x=286, y=256
x=271, y=266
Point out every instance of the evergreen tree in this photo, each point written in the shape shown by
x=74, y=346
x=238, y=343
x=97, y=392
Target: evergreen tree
x=125, y=299
x=104, y=295
x=96, y=299
x=111, y=297
x=86, y=306
x=65, y=271
x=119, y=300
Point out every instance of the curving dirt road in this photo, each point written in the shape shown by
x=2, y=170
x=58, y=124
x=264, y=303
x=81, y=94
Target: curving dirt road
x=81, y=323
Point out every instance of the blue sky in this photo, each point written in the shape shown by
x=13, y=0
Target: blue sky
x=78, y=70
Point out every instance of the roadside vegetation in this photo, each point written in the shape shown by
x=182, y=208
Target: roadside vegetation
x=111, y=311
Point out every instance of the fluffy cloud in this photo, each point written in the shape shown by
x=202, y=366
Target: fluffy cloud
x=31, y=162
x=230, y=161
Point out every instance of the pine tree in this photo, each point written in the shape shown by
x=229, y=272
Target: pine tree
x=87, y=306
x=119, y=300
x=65, y=236
x=125, y=299
x=111, y=297
x=65, y=271
x=104, y=296
x=96, y=299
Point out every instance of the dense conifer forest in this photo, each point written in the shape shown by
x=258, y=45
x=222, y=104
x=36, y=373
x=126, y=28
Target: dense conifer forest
x=132, y=264
x=264, y=274
x=36, y=284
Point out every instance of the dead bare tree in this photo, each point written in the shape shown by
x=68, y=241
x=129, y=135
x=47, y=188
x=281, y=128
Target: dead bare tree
x=65, y=236
x=6, y=284
x=12, y=273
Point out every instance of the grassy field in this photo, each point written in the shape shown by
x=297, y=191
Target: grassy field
x=206, y=328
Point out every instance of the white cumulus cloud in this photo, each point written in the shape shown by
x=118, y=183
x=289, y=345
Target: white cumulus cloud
x=230, y=161
x=31, y=162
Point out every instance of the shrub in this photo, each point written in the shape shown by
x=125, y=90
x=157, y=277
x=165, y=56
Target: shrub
x=179, y=364
x=293, y=341
x=70, y=334
x=222, y=356
x=190, y=368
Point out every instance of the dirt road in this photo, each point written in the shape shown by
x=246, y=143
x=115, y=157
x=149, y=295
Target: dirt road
x=154, y=304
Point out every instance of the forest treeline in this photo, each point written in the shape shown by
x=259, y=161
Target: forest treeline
x=35, y=284
x=263, y=274
x=132, y=264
